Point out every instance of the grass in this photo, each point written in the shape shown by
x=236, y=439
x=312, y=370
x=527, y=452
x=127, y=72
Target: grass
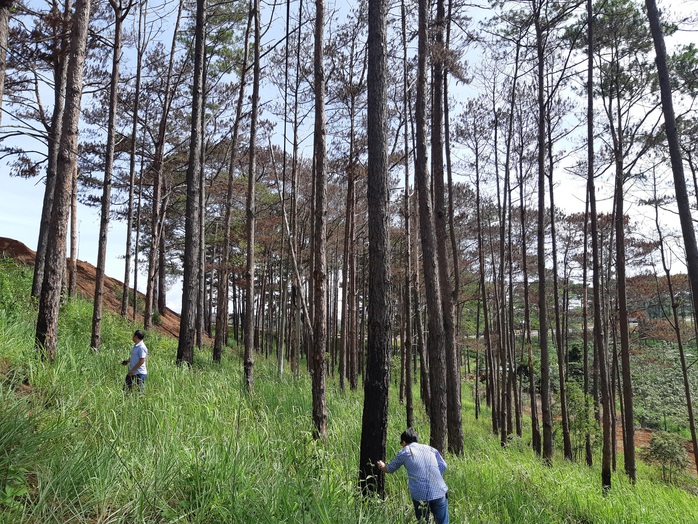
x=194, y=448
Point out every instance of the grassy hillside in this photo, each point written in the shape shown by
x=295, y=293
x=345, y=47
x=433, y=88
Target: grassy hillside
x=194, y=448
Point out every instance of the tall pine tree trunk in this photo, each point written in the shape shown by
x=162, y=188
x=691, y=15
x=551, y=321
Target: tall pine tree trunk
x=224, y=269
x=120, y=13
x=251, y=209
x=317, y=367
x=46, y=338
x=60, y=48
x=187, y=326
x=542, y=298
x=682, y=201
x=377, y=378
x=436, y=342
x=140, y=51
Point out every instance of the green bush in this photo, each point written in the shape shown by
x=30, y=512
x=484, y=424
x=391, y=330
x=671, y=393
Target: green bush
x=668, y=451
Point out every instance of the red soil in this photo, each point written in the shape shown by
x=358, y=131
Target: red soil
x=86, y=273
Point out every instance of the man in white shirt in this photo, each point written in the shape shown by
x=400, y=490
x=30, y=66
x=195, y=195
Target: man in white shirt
x=137, y=371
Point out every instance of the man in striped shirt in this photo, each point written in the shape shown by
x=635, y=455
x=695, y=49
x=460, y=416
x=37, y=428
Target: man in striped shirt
x=425, y=468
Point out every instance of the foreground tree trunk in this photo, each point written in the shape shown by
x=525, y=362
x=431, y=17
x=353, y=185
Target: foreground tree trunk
x=60, y=75
x=453, y=397
x=317, y=368
x=187, y=326
x=377, y=379
x=435, y=337
x=54, y=269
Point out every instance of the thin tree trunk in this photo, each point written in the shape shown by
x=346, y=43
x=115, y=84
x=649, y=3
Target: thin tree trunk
x=157, y=219
x=542, y=298
x=120, y=13
x=407, y=311
x=5, y=7
x=73, y=259
x=251, y=208
x=140, y=51
x=224, y=269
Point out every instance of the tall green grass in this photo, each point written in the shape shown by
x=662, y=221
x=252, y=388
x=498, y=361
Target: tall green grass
x=196, y=448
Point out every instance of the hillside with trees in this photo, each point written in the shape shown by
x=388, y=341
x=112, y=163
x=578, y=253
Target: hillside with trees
x=486, y=203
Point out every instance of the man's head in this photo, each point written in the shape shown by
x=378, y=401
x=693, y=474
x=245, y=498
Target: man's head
x=138, y=334
x=409, y=436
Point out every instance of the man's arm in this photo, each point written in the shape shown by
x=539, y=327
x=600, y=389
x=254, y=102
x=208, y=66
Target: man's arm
x=394, y=464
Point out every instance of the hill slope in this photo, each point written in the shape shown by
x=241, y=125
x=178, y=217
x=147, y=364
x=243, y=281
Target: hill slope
x=86, y=272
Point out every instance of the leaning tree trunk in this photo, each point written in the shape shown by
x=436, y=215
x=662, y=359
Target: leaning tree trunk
x=46, y=338
x=682, y=201
x=374, y=425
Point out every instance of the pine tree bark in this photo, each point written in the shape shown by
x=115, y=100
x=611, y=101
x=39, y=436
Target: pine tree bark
x=436, y=342
x=190, y=282
x=542, y=298
x=128, y=251
x=5, y=7
x=377, y=378
x=453, y=385
x=158, y=195
x=223, y=294
x=54, y=270
x=319, y=345
x=60, y=48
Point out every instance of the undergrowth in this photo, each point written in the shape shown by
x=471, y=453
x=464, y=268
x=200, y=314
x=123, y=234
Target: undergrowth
x=196, y=448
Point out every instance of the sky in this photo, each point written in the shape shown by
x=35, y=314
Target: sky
x=20, y=214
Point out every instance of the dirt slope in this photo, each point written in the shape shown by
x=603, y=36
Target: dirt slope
x=168, y=323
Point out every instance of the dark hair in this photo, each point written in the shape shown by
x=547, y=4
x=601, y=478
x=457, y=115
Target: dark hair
x=409, y=436
x=139, y=334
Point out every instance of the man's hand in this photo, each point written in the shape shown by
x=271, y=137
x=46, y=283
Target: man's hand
x=381, y=465
x=124, y=362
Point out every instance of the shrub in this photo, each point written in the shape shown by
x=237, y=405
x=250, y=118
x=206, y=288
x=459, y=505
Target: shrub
x=668, y=451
